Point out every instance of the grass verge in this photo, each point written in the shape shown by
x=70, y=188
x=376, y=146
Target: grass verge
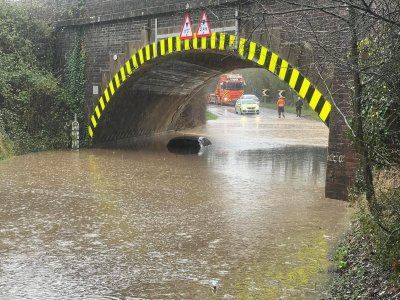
x=211, y=116
x=365, y=266
x=6, y=148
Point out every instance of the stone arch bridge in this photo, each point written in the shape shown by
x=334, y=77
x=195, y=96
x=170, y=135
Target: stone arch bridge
x=134, y=53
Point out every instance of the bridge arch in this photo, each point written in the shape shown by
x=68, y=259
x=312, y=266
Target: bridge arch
x=257, y=54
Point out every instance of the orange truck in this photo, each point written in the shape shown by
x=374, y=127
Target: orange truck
x=230, y=88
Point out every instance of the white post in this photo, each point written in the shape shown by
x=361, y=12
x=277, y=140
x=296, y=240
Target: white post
x=75, y=134
x=155, y=30
x=236, y=26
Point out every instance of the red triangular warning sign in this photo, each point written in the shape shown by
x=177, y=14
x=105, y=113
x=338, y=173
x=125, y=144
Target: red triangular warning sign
x=204, y=28
x=187, y=31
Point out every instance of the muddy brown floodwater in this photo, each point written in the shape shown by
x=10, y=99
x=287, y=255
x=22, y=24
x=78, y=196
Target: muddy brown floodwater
x=247, y=214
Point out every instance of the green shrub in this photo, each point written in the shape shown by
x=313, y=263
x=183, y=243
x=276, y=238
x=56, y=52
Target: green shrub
x=33, y=109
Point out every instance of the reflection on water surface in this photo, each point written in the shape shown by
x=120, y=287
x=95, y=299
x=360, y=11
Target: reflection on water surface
x=149, y=224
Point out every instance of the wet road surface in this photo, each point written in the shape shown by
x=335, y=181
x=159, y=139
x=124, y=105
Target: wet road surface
x=248, y=212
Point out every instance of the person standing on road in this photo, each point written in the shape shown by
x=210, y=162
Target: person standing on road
x=299, y=105
x=281, y=106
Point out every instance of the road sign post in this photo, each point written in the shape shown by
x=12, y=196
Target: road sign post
x=265, y=94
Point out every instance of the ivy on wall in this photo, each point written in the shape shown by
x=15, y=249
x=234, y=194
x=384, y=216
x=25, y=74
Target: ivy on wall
x=75, y=79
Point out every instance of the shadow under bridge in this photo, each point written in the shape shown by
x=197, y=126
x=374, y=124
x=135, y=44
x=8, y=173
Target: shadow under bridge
x=150, y=92
x=154, y=97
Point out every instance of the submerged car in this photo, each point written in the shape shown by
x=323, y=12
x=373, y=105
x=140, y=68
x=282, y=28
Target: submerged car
x=187, y=144
x=247, y=106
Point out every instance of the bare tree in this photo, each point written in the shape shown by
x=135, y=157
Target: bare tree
x=367, y=44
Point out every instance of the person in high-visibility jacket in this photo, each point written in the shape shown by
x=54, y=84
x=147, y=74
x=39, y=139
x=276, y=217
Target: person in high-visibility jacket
x=281, y=106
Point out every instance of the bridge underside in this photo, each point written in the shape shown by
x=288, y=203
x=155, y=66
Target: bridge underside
x=156, y=96
x=153, y=99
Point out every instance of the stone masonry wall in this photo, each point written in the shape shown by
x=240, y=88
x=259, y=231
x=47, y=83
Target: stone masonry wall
x=116, y=27
x=309, y=39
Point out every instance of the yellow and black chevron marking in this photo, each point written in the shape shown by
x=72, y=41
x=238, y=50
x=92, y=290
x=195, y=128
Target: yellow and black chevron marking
x=218, y=42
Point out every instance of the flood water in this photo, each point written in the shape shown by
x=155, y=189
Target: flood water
x=248, y=212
